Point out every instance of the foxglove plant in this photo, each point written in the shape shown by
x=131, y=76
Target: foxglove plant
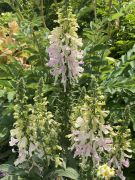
x=65, y=54
x=18, y=133
x=98, y=143
x=90, y=136
x=121, y=151
x=35, y=132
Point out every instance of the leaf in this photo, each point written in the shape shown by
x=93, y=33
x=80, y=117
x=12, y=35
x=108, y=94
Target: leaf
x=110, y=60
x=5, y=83
x=116, y=16
x=85, y=11
x=33, y=57
x=13, y=178
x=4, y=72
x=11, y=96
x=11, y=170
x=68, y=172
x=2, y=93
x=3, y=134
x=132, y=64
x=7, y=168
x=98, y=47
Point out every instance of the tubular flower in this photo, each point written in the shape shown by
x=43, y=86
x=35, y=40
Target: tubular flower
x=64, y=50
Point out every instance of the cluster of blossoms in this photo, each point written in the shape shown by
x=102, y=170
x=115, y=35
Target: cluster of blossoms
x=93, y=140
x=35, y=134
x=90, y=135
x=121, y=150
x=64, y=50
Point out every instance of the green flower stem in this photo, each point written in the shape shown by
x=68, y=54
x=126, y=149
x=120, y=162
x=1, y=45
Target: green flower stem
x=42, y=13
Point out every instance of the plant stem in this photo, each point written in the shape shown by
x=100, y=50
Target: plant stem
x=109, y=23
x=37, y=45
x=95, y=11
x=42, y=13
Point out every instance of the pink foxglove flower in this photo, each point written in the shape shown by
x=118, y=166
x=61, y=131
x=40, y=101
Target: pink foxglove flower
x=105, y=144
x=126, y=163
x=65, y=56
x=22, y=157
x=87, y=144
x=119, y=163
x=13, y=141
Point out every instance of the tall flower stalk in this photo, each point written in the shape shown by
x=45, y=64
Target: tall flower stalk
x=106, y=149
x=35, y=132
x=90, y=135
x=65, y=54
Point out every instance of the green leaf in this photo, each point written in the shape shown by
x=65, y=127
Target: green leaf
x=68, y=172
x=98, y=47
x=2, y=93
x=7, y=168
x=11, y=96
x=13, y=178
x=5, y=83
x=116, y=16
x=11, y=170
x=33, y=57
